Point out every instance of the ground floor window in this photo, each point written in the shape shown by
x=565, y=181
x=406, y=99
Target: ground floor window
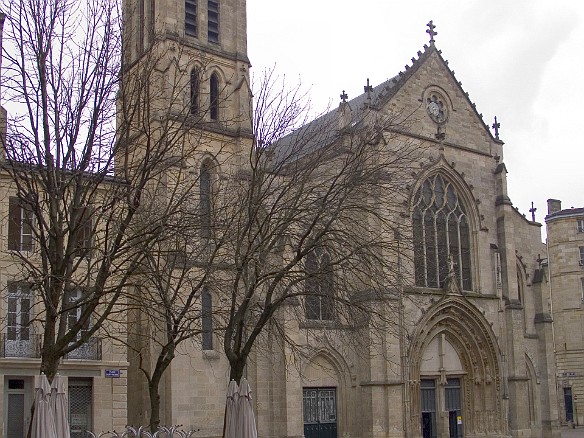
x=80, y=407
x=320, y=412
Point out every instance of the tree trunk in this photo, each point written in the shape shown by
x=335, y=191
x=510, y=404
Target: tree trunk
x=154, y=422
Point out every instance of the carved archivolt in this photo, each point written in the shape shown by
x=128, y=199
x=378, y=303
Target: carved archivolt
x=470, y=334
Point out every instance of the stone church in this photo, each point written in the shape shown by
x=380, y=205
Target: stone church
x=474, y=353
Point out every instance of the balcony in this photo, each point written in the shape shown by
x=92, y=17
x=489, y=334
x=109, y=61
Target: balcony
x=91, y=350
x=29, y=348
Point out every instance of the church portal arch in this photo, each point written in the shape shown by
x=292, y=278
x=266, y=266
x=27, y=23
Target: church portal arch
x=454, y=347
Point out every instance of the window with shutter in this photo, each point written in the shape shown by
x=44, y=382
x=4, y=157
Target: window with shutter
x=19, y=226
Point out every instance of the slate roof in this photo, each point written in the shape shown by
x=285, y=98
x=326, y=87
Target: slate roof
x=325, y=129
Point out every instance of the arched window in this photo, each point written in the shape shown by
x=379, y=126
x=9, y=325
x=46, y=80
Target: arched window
x=319, y=286
x=207, y=319
x=214, y=97
x=205, y=197
x=194, y=82
x=441, y=232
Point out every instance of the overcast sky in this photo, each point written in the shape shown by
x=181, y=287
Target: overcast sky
x=519, y=60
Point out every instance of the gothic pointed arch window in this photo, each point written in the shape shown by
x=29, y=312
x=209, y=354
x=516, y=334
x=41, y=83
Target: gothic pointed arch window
x=205, y=197
x=318, y=286
x=441, y=232
x=214, y=97
x=194, y=95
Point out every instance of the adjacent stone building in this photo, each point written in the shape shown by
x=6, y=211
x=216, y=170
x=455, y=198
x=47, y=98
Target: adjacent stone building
x=565, y=257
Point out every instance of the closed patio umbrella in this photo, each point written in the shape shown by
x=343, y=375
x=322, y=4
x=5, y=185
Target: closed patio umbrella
x=59, y=407
x=43, y=422
x=246, y=426
x=231, y=410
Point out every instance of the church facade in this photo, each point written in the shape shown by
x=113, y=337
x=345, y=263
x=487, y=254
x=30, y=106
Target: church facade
x=474, y=354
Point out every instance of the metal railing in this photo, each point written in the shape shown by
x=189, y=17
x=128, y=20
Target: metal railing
x=29, y=347
x=142, y=432
x=91, y=350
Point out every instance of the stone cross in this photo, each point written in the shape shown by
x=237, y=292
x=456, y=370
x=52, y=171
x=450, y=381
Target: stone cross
x=430, y=31
x=532, y=210
x=344, y=96
x=496, y=127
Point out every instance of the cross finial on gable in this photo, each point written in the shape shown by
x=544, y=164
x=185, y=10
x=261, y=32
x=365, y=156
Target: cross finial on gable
x=532, y=210
x=368, y=89
x=430, y=31
x=496, y=127
x=344, y=96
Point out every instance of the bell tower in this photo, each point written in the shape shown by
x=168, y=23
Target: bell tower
x=199, y=48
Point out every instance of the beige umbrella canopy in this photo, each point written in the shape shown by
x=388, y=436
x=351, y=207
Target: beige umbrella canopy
x=43, y=422
x=246, y=426
x=231, y=410
x=59, y=407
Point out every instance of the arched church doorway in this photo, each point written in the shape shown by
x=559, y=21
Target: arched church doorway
x=455, y=384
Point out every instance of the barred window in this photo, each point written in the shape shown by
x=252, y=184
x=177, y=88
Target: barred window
x=441, y=231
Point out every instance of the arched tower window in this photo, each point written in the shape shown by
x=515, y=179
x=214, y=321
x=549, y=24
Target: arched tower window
x=207, y=319
x=214, y=97
x=205, y=197
x=319, y=286
x=194, y=100
x=441, y=231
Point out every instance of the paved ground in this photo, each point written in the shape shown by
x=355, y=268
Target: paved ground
x=573, y=433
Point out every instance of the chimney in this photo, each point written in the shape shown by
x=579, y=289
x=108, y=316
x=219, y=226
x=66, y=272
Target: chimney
x=554, y=205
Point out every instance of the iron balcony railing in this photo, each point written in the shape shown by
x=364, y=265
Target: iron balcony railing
x=91, y=350
x=19, y=345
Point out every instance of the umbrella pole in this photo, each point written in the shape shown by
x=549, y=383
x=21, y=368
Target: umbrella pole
x=224, y=420
x=29, y=433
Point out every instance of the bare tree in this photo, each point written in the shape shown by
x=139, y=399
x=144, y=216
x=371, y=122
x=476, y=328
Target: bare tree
x=311, y=227
x=95, y=155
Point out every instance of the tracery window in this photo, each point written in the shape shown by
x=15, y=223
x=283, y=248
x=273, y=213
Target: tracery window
x=441, y=235
x=319, y=286
x=214, y=97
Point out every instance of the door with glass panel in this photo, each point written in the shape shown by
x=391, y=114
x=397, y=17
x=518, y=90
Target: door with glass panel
x=320, y=412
